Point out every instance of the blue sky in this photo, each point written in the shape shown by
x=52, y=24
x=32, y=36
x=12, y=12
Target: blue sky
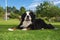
x=28, y=4
x=2, y=3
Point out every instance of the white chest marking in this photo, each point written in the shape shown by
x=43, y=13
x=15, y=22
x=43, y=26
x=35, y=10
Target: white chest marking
x=26, y=23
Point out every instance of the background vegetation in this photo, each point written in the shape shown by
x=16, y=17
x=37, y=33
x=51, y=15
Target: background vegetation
x=45, y=10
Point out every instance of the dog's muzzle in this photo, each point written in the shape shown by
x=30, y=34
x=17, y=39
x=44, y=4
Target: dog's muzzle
x=27, y=19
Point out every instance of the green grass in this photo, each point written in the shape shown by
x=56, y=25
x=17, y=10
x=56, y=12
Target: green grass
x=45, y=34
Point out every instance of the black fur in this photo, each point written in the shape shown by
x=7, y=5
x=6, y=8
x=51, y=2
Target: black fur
x=36, y=23
x=39, y=24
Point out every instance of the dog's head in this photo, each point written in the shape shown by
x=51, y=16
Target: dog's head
x=28, y=16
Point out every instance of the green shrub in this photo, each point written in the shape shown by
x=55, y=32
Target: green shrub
x=13, y=15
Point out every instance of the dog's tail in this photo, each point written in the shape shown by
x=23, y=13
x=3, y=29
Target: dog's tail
x=56, y=28
x=52, y=27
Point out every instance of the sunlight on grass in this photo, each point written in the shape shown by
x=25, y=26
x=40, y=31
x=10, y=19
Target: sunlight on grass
x=45, y=34
x=9, y=22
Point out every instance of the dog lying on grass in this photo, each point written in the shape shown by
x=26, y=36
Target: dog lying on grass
x=29, y=22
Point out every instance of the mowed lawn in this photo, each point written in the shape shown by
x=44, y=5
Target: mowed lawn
x=45, y=34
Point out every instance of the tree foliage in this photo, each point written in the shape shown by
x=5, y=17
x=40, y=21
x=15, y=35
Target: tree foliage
x=1, y=11
x=15, y=12
x=22, y=10
x=46, y=9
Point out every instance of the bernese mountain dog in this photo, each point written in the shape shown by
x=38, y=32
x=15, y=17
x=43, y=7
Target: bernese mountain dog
x=29, y=22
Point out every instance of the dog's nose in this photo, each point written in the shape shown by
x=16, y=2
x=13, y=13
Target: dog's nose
x=27, y=16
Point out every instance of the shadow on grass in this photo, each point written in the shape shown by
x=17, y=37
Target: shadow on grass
x=57, y=26
x=5, y=27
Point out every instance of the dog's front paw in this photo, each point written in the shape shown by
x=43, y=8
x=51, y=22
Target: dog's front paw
x=24, y=29
x=10, y=29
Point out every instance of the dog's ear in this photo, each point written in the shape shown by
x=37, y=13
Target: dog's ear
x=32, y=15
x=23, y=16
